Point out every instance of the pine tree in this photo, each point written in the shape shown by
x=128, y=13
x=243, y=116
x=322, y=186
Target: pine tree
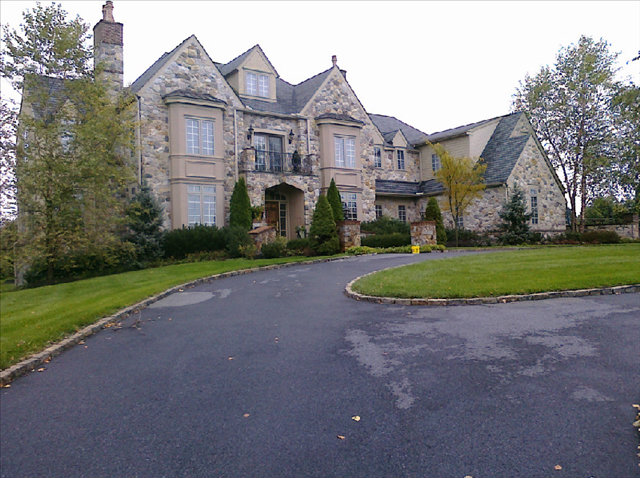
x=432, y=213
x=240, y=206
x=333, y=196
x=515, y=225
x=323, y=233
x=144, y=220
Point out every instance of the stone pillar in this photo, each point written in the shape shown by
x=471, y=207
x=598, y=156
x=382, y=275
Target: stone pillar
x=349, y=234
x=263, y=235
x=108, y=49
x=423, y=232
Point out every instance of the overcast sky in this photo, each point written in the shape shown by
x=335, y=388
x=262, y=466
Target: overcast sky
x=434, y=65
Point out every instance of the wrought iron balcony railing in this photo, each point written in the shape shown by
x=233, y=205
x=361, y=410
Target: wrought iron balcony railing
x=275, y=162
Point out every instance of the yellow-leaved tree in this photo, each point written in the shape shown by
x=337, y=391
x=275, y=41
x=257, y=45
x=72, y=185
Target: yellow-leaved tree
x=463, y=181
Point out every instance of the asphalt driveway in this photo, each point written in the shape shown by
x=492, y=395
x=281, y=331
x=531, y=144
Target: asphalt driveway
x=262, y=374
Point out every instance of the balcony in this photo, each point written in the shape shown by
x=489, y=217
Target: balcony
x=275, y=162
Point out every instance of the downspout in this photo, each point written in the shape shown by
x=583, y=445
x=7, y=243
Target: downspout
x=308, y=139
x=139, y=141
x=235, y=140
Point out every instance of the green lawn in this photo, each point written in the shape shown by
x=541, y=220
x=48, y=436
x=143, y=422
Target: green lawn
x=512, y=272
x=31, y=319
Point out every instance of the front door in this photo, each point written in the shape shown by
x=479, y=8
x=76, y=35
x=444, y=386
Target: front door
x=272, y=213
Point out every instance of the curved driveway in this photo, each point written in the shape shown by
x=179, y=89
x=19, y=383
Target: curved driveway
x=261, y=374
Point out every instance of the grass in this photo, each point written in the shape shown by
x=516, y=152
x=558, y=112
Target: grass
x=32, y=319
x=512, y=272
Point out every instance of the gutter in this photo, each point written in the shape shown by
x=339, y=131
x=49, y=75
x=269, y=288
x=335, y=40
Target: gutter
x=235, y=140
x=139, y=139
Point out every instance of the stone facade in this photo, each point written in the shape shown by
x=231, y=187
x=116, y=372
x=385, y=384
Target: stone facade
x=263, y=235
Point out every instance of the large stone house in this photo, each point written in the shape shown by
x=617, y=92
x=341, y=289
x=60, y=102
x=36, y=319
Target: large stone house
x=204, y=124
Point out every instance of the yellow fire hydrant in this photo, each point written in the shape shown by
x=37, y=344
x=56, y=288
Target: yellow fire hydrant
x=415, y=249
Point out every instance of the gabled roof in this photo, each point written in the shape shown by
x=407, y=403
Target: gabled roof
x=389, y=125
x=53, y=91
x=196, y=95
x=338, y=117
x=237, y=61
x=500, y=155
x=458, y=131
x=137, y=85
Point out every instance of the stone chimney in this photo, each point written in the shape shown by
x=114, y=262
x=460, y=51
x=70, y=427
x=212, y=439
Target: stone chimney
x=334, y=60
x=107, y=49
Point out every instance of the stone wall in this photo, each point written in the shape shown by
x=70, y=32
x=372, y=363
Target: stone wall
x=423, y=232
x=263, y=235
x=349, y=234
x=390, y=207
x=629, y=231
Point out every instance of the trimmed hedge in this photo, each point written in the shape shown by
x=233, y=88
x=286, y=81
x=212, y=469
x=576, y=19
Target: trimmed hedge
x=385, y=225
x=395, y=239
x=178, y=243
x=359, y=250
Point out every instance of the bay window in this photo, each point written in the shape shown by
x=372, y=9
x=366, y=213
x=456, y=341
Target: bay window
x=199, y=136
x=350, y=205
x=201, y=204
x=345, y=151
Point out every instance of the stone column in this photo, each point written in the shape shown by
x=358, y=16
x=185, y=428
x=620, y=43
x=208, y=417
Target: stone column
x=349, y=234
x=108, y=49
x=423, y=232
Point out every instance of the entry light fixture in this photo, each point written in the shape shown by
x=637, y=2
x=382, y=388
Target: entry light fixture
x=250, y=133
x=291, y=136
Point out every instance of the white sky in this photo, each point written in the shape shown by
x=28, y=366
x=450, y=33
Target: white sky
x=434, y=65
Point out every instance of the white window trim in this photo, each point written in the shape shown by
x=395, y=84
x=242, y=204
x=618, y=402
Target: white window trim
x=200, y=136
x=533, y=204
x=257, y=84
x=204, y=195
x=377, y=158
x=341, y=150
x=436, y=165
x=350, y=205
x=399, y=153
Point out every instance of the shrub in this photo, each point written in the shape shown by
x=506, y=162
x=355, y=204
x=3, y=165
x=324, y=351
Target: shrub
x=240, y=214
x=178, y=243
x=299, y=247
x=426, y=248
x=467, y=238
x=600, y=237
x=385, y=225
x=275, y=249
x=237, y=239
x=333, y=196
x=432, y=213
x=323, y=232
x=387, y=240
x=359, y=250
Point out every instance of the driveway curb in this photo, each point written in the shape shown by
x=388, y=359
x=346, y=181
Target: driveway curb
x=503, y=299
x=37, y=360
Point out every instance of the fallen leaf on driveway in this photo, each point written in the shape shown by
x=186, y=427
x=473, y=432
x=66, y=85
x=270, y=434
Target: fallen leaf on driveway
x=355, y=418
x=557, y=467
x=246, y=415
x=230, y=358
x=42, y=369
x=180, y=290
x=340, y=437
x=7, y=385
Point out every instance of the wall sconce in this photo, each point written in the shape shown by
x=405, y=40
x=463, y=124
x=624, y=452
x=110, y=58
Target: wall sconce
x=250, y=133
x=291, y=136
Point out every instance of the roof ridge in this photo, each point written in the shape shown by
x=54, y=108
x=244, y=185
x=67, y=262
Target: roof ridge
x=312, y=77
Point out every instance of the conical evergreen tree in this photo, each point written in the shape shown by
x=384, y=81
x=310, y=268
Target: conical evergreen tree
x=432, y=213
x=333, y=195
x=515, y=219
x=240, y=206
x=144, y=220
x=323, y=233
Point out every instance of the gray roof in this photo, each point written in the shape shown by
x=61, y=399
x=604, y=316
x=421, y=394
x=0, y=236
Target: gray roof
x=458, y=131
x=340, y=117
x=389, y=124
x=237, y=61
x=500, y=155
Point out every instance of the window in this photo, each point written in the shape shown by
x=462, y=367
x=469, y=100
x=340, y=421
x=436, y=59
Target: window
x=377, y=157
x=345, y=147
x=257, y=84
x=199, y=136
x=435, y=163
x=400, y=154
x=350, y=206
x=460, y=221
x=201, y=203
x=402, y=213
x=534, y=206
x=378, y=211
x=269, y=152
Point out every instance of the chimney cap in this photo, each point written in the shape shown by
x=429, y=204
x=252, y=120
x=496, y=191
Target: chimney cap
x=334, y=60
x=107, y=12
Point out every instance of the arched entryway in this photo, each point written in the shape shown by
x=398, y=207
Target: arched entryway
x=284, y=209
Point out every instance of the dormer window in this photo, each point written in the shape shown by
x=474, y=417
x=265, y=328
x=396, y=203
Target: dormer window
x=435, y=163
x=257, y=84
x=400, y=154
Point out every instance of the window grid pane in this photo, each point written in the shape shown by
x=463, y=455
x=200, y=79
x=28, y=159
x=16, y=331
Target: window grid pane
x=339, y=143
x=252, y=84
x=207, y=137
x=209, y=209
x=377, y=157
x=435, y=162
x=194, y=209
x=400, y=159
x=534, y=206
x=263, y=86
x=402, y=213
x=350, y=152
x=378, y=211
x=349, y=206
x=193, y=136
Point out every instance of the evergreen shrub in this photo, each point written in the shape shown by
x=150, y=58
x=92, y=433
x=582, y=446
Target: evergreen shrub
x=323, y=232
x=179, y=243
x=432, y=213
x=333, y=196
x=275, y=249
x=385, y=225
x=240, y=213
